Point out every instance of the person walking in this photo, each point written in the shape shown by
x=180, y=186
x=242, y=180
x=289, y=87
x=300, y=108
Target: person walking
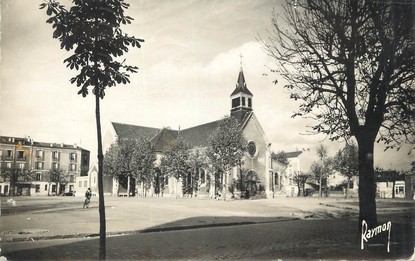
x=88, y=195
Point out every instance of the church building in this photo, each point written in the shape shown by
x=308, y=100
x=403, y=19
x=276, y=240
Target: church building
x=260, y=177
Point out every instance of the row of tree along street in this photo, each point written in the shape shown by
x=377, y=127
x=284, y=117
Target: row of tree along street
x=134, y=161
x=345, y=162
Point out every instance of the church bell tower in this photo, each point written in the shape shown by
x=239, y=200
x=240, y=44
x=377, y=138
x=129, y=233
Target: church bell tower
x=241, y=98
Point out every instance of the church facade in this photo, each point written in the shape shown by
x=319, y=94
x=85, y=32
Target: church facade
x=261, y=177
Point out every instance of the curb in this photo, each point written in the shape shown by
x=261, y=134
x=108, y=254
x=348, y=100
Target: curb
x=337, y=206
x=147, y=230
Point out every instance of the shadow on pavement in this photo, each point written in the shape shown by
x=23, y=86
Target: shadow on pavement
x=229, y=238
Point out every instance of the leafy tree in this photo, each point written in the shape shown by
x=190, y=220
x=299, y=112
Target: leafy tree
x=175, y=161
x=346, y=161
x=300, y=179
x=226, y=147
x=197, y=161
x=92, y=30
x=58, y=177
x=117, y=162
x=142, y=163
x=351, y=65
x=11, y=175
x=280, y=157
x=130, y=159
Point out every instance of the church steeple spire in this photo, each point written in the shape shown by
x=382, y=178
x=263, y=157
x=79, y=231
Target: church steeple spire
x=241, y=97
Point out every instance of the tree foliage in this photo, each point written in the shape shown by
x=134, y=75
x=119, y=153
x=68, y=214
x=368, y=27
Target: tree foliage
x=197, y=161
x=175, y=161
x=132, y=158
x=92, y=31
x=280, y=157
x=226, y=148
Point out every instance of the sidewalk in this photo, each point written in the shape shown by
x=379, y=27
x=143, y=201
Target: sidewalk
x=297, y=239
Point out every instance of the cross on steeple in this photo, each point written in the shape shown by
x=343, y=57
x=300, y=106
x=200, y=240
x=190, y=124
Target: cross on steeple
x=241, y=56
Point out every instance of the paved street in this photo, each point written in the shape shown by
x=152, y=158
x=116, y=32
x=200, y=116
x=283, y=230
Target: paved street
x=159, y=228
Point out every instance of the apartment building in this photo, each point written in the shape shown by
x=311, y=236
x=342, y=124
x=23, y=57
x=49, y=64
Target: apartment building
x=31, y=168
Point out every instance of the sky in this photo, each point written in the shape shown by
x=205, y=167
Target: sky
x=189, y=64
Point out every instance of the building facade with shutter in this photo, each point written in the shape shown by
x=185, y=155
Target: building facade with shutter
x=31, y=168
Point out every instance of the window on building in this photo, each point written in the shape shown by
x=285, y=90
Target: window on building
x=72, y=167
x=251, y=148
x=85, y=183
x=9, y=154
x=46, y=187
x=80, y=184
x=37, y=188
x=6, y=189
x=71, y=178
x=8, y=165
x=38, y=176
x=249, y=102
x=55, y=155
x=20, y=154
x=236, y=102
x=39, y=153
x=72, y=156
x=53, y=188
x=55, y=166
x=39, y=165
x=21, y=165
x=243, y=101
x=95, y=180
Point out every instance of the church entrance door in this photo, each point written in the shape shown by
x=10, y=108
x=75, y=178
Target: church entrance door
x=251, y=182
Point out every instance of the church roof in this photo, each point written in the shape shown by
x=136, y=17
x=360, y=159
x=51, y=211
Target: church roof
x=164, y=140
x=128, y=131
x=199, y=135
x=293, y=154
x=241, y=85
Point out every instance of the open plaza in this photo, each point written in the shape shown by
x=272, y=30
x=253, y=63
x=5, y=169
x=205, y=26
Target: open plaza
x=57, y=228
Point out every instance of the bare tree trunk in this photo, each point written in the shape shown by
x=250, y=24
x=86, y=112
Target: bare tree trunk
x=128, y=186
x=225, y=182
x=348, y=188
x=367, y=185
x=102, y=221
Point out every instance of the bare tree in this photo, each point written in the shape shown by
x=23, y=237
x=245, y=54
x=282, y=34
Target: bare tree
x=346, y=161
x=351, y=64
